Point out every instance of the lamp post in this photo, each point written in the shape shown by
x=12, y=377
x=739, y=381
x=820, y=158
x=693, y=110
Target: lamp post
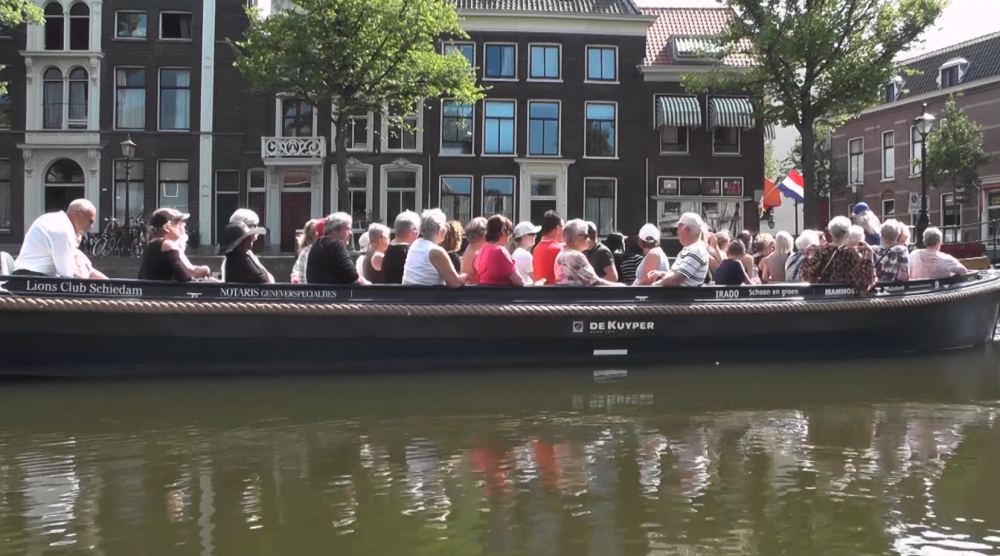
x=854, y=188
x=924, y=122
x=128, y=151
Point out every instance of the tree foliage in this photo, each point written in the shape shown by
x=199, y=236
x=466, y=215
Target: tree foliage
x=829, y=180
x=14, y=13
x=357, y=55
x=955, y=150
x=815, y=60
x=770, y=164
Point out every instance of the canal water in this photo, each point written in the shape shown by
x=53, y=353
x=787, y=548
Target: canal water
x=892, y=456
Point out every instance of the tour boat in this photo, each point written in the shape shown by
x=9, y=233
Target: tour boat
x=57, y=326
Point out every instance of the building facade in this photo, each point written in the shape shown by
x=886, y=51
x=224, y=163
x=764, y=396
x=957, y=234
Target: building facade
x=880, y=151
x=584, y=114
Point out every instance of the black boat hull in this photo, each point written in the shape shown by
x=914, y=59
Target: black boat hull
x=160, y=339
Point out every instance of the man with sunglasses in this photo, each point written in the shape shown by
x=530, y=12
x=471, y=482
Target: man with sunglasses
x=49, y=247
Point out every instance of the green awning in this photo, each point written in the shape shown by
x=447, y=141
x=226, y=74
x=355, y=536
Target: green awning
x=730, y=112
x=678, y=111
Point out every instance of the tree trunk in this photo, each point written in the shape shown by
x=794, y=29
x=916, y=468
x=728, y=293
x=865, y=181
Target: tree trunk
x=810, y=193
x=340, y=156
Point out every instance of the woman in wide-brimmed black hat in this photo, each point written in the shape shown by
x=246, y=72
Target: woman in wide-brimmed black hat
x=235, y=243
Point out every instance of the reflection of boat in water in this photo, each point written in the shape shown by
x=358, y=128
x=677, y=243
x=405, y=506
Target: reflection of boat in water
x=119, y=321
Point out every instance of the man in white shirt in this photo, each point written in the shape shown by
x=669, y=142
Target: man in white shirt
x=691, y=265
x=49, y=247
x=930, y=263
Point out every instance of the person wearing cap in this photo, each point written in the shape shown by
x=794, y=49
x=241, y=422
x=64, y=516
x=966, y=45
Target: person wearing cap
x=691, y=265
x=49, y=247
x=162, y=260
x=545, y=253
x=600, y=257
x=494, y=265
x=864, y=217
x=520, y=246
x=241, y=267
x=329, y=260
x=654, y=259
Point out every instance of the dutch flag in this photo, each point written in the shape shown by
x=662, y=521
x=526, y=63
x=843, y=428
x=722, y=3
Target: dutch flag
x=792, y=186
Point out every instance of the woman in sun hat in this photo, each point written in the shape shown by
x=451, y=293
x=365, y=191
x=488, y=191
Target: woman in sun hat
x=654, y=259
x=241, y=267
x=521, y=242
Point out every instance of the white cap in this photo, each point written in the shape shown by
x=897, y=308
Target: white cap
x=363, y=242
x=649, y=232
x=692, y=220
x=526, y=228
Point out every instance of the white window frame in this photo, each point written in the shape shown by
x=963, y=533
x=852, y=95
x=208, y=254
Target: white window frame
x=444, y=48
x=279, y=115
x=369, y=136
x=883, y=202
x=65, y=80
x=482, y=192
x=159, y=182
x=558, y=47
x=145, y=104
x=955, y=235
x=585, y=105
x=486, y=46
x=403, y=165
x=891, y=167
x=915, y=141
x=739, y=143
x=384, y=129
x=586, y=66
x=961, y=66
x=861, y=165
x=159, y=25
x=499, y=155
x=159, y=100
x=472, y=190
x=559, y=122
x=117, y=38
x=441, y=134
x=369, y=171
x=614, y=217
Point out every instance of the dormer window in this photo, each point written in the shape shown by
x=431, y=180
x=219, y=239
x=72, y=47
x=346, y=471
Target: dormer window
x=697, y=48
x=893, y=90
x=952, y=72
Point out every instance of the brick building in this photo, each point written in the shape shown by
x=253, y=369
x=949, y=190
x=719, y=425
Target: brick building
x=879, y=151
x=585, y=115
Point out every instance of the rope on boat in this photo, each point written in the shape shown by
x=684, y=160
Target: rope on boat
x=69, y=305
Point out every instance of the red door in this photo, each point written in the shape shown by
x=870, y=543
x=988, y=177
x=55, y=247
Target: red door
x=295, y=212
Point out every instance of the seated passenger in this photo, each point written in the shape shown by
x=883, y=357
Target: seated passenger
x=806, y=246
x=49, y=247
x=599, y=256
x=892, y=260
x=236, y=244
x=838, y=263
x=691, y=265
x=654, y=259
x=251, y=220
x=427, y=263
x=406, y=228
x=374, y=254
x=494, y=265
x=731, y=272
x=329, y=259
x=475, y=234
x=772, y=268
x=520, y=246
x=304, y=243
x=571, y=265
x=161, y=259
x=543, y=256
x=85, y=268
x=631, y=259
x=453, y=243
x=930, y=263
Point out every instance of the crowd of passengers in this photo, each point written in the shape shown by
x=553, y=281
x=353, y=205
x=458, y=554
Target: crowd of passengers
x=429, y=250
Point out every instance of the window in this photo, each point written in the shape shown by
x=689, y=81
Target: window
x=56, y=112
x=726, y=140
x=55, y=26
x=175, y=99
x=544, y=62
x=5, y=111
x=891, y=92
x=456, y=197
x=602, y=63
x=916, y=141
x=599, y=203
x=79, y=27
x=133, y=177
x=673, y=139
x=456, y=128
x=949, y=77
x=467, y=49
x=857, y=152
x=543, y=128
x=257, y=194
x=173, y=185
x=498, y=196
x=888, y=209
x=498, y=132
x=358, y=183
x=296, y=118
x=130, y=25
x=951, y=218
x=600, y=133
x=130, y=98
x=401, y=193
x=888, y=155
x=402, y=127
x=501, y=61
x=952, y=72
x=359, y=133
x=5, y=212
x=175, y=26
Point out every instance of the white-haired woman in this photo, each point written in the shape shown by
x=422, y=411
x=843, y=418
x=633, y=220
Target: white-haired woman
x=572, y=267
x=838, y=263
x=892, y=260
x=329, y=258
x=427, y=263
x=773, y=265
x=378, y=242
x=930, y=263
x=806, y=246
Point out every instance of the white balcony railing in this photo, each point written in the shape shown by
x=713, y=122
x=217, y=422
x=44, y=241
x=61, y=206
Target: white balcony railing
x=292, y=147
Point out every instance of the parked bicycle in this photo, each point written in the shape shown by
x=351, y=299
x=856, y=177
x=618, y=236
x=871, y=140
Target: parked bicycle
x=120, y=240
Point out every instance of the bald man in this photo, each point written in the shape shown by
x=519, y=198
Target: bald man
x=49, y=247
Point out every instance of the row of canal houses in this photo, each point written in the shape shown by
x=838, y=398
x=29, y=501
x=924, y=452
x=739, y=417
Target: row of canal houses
x=585, y=114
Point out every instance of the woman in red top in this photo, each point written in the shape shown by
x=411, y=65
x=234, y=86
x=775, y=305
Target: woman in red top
x=494, y=265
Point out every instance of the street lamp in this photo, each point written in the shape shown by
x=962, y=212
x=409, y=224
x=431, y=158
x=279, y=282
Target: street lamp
x=854, y=188
x=923, y=123
x=128, y=151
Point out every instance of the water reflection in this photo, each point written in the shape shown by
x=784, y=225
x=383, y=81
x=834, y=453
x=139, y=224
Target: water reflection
x=885, y=457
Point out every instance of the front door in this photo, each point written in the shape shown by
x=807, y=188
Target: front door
x=296, y=209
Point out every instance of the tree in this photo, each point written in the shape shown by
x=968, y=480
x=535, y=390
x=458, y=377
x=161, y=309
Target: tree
x=827, y=179
x=815, y=60
x=13, y=13
x=955, y=150
x=770, y=164
x=359, y=56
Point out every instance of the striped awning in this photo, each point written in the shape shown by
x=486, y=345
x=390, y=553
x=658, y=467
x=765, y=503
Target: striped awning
x=730, y=112
x=678, y=111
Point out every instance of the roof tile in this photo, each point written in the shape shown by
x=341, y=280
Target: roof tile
x=610, y=7
x=686, y=22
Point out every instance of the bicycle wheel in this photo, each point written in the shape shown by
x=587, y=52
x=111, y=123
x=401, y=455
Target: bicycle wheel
x=137, y=247
x=98, y=249
x=112, y=246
